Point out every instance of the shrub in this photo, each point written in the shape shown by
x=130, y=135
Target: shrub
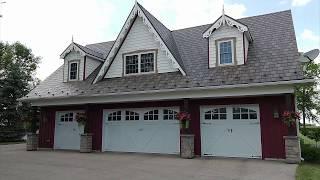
x=310, y=153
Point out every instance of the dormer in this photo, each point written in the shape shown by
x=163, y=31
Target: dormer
x=79, y=62
x=228, y=42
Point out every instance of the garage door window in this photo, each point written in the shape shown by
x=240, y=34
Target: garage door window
x=216, y=114
x=151, y=115
x=244, y=113
x=132, y=116
x=115, y=116
x=169, y=114
x=67, y=117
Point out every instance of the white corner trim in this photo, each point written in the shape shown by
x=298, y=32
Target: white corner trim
x=254, y=89
x=223, y=20
x=136, y=11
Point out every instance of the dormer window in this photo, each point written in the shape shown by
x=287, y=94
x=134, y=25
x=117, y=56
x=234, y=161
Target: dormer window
x=73, y=70
x=225, y=52
x=139, y=63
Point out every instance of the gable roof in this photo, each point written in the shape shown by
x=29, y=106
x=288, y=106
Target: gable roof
x=272, y=57
x=165, y=35
x=160, y=32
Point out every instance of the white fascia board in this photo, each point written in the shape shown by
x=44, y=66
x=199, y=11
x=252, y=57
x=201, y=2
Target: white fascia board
x=72, y=47
x=230, y=22
x=235, y=91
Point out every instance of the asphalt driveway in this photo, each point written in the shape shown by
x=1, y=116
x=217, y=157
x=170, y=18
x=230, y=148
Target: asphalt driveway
x=18, y=164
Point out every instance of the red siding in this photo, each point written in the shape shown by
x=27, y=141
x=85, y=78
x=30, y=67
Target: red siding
x=272, y=130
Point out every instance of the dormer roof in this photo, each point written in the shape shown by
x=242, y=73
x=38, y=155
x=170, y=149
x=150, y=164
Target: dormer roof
x=227, y=20
x=84, y=51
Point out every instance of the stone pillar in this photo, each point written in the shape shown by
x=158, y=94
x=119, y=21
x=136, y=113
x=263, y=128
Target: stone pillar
x=86, y=143
x=187, y=146
x=292, y=149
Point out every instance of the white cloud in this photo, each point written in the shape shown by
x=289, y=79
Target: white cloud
x=47, y=26
x=283, y=2
x=307, y=34
x=308, y=40
x=192, y=13
x=299, y=2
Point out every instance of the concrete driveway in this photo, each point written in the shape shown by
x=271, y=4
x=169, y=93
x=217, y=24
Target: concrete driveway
x=18, y=164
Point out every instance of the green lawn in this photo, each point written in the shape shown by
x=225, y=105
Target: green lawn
x=308, y=171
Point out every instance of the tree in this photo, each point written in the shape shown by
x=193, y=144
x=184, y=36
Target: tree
x=17, y=77
x=308, y=100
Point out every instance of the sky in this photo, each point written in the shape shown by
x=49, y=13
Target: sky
x=47, y=26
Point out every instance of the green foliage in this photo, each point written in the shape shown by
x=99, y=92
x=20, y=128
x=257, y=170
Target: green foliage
x=17, y=78
x=308, y=171
x=308, y=100
x=310, y=153
x=312, y=133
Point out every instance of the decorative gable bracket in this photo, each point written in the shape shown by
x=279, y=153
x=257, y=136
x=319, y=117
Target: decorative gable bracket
x=74, y=47
x=226, y=20
x=136, y=11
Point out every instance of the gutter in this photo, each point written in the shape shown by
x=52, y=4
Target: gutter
x=180, y=89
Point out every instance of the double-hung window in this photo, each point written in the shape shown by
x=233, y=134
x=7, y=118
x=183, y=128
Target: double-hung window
x=73, y=70
x=139, y=63
x=225, y=49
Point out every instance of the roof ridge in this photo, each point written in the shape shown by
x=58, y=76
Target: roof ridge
x=267, y=14
x=233, y=18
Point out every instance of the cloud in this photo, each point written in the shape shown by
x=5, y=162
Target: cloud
x=47, y=26
x=296, y=3
x=192, y=13
x=308, y=40
x=283, y=2
x=307, y=34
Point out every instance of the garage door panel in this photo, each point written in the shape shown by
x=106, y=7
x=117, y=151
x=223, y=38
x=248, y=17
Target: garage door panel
x=236, y=134
x=148, y=133
x=67, y=132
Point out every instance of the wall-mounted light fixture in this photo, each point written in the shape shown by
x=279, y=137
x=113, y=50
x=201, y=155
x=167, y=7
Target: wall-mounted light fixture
x=276, y=113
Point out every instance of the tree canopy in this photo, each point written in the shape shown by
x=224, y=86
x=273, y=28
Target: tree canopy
x=308, y=100
x=17, y=77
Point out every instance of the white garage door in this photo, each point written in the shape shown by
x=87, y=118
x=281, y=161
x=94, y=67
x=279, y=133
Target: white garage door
x=147, y=130
x=231, y=131
x=67, y=132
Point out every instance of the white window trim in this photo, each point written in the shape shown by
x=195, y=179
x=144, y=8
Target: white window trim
x=232, y=51
x=139, y=63
x=69, y=69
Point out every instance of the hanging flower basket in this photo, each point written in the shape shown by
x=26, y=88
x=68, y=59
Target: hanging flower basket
x=184, y=118
x=290, y=118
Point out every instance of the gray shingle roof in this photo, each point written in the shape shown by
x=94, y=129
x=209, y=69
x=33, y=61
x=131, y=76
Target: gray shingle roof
x=272, y=56
x=102, y=48
x=89, y=51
